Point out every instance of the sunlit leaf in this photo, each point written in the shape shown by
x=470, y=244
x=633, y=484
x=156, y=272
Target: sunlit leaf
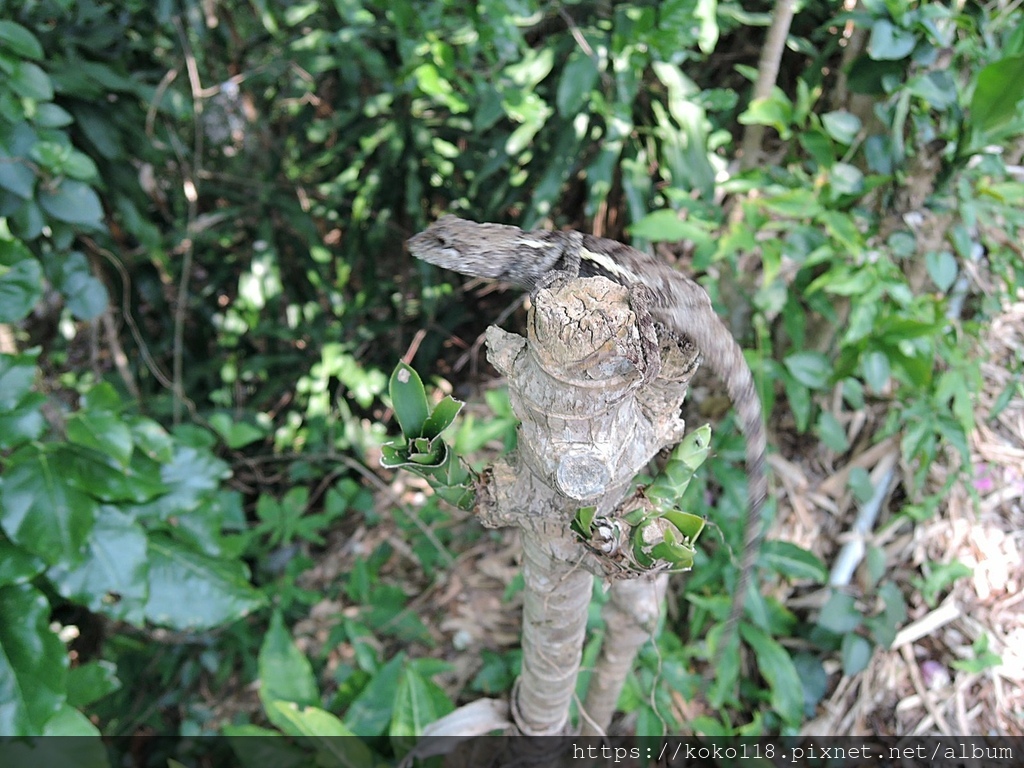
x=776, y=666
x=409, y=399
x=889, y=42
x=997, y=94
x=32, y=662
x=19, y=41
x=73, y=202
x=192, y=591
x=41, y=511
x=21, y=280
x=111, y=579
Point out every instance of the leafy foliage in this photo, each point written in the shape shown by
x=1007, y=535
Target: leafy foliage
x=201, y=288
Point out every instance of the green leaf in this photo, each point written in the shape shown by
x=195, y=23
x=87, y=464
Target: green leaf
x=831, y=432
x=85, y=295
x=23, y=423
x=876, y=370
x=812, y=369
x=41, y=511
x=370, y=713
x=73, y=202
x=105, y=432
x=840, y=614
x=192, y=475
x=942, y=269
x=430, y=81
x=29, y=81
x=102, y=478
x=236, y=433
x=843, y=228
x=19, y=41
x=306, y=721
x=21, y=284
x=269, y=750
x=409, y=399
x=583, y=522
x=285, y=674
x=983, y=657
x=668, y=488
x=860, y=484
x=855, y=654
x=418, y=702
x=819, y=146
x=442, y=416
x=793, y=562
x=15, y=176
x=16, y=565
x=578, y=77
x=112, y=577
x=728, y=670
x=59, y=752
x=776, y=666
x=846, y=179
x=689, y=524
x=68, y=721
x=939, y=579
x=17, y=374
x=192, y=591
x=815, y=681
x=91, y=681
x=795, y=203
x=707, y=13
x=938, y=89
x=841, y=125
x=889, y=42
x=775, y=111
x=27, y=222
x=52, y=116
x=32, y=662
x=262, y=752
x=885, y=625
x=321, y=729
x=999, y=89
x=666, y=226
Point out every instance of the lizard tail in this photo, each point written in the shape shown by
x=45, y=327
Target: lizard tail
x=697, y=319
x=748, y=406
x=726, y=359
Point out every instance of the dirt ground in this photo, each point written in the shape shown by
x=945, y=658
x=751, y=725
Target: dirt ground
x=916, y=687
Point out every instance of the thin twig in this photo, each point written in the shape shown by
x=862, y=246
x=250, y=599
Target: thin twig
x=767, y=76
x=191, y=189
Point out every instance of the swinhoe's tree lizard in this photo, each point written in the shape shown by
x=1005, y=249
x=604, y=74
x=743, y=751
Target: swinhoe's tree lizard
x=531, y=259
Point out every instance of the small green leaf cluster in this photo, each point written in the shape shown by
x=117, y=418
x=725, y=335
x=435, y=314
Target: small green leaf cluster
x=422, y=449
x=246, y=221
x=655, y=535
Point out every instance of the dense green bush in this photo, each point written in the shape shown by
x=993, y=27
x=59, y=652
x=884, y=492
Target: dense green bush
x=202, y=284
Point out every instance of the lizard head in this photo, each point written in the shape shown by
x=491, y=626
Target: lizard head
x=480, y=250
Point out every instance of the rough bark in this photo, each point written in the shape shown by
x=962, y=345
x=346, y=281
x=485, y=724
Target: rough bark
x=631, y=617
x=589, y=424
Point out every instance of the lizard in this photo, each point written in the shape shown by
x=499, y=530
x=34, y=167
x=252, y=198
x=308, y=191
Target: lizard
x=532, y=259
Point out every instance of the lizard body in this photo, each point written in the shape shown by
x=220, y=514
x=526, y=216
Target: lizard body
x=528, y=259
